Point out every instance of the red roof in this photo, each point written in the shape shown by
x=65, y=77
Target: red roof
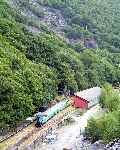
x=80, y=102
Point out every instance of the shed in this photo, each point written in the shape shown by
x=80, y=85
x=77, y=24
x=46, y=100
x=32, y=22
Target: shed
x=92, y=95
x=79, y=102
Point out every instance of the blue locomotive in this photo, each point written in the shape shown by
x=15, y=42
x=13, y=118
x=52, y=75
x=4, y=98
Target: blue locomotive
x=43, y=117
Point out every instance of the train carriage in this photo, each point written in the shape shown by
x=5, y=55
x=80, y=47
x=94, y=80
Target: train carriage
x=43, y=117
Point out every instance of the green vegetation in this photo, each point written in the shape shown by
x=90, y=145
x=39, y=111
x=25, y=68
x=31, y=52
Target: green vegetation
x=23, y=85
x=106, y=128
x=35, y=68
x=110, y=99
x=100, y=19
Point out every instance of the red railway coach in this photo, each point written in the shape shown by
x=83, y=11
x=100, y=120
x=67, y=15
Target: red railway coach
x=79, y=102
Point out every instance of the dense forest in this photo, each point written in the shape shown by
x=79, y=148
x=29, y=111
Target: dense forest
x=37, y=66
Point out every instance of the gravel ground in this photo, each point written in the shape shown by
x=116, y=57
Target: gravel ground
x=69, y=136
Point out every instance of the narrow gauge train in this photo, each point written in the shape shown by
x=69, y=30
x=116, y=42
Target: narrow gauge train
x=43, y=117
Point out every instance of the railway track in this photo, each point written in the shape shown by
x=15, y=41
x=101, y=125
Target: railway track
x=16, y=137
x=52, y=123
x=30, y=134
x=11, y=135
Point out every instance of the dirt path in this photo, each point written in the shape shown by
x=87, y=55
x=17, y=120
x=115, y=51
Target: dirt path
x=67, y=136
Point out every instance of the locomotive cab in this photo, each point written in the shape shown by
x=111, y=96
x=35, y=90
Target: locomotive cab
x=40, y=119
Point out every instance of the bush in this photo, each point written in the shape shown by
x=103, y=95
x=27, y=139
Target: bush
x=109, y=98
x=107, y=128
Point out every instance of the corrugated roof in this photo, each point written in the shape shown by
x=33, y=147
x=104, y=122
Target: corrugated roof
x=89, y=94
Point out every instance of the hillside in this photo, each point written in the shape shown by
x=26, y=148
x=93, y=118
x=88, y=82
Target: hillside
x=84, y=24
x=36, y=63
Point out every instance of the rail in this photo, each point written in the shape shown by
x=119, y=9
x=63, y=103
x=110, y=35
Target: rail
x=30, y=133
x=38, y=134
x=15, y=132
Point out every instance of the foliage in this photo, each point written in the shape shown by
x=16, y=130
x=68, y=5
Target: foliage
x=23, y=84
x=35, y=68
x=110, y=99
x=99, y=18
x=107, y=128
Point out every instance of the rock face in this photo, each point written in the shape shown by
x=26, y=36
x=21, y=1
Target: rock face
x=52, y=18
x=90, y=43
